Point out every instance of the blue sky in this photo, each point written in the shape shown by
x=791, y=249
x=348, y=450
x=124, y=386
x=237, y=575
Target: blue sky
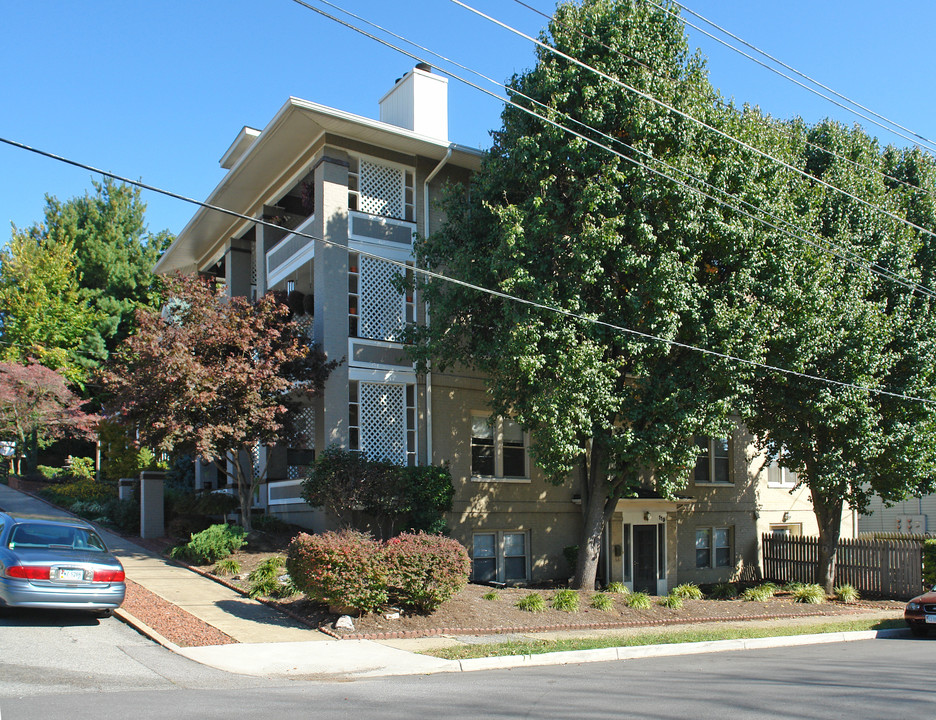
x=157, y=91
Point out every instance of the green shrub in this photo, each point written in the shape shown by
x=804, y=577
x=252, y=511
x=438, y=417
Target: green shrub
x=226, y=566
x=491, y=595
x=49, y=473
x=412, y=497
x=125, y=514
x=342, y=569
x=79, y=468
x=724, y=591
x=602, y=601
x=84, y=490
x=212, y=544
x=532, y=602
x=89, y=509
x=760, y=593
x=847, y=593
x=638, y=601
x=270, y=523
x=929, y=563
x=688, y=591
x=810, y=593
x=618, y=588
x=566, y=600
x=266, y=580
x=671, y=601
x=792, y=587
x=423, y=571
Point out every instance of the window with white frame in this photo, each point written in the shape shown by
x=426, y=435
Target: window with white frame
x=777, y=474
x=713, y=462
x=713, y=547
x=500, y=557
x=376, y=308
x=498, y=448
x=381, y=188
x=382, y=420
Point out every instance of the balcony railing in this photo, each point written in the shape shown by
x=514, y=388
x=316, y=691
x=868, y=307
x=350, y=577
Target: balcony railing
x=290, y=252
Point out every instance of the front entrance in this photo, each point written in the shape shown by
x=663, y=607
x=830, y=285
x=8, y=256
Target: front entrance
x=645, y=558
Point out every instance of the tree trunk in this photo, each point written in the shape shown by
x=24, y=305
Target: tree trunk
x=596, y=512
x=829, y=517
x=586, y=565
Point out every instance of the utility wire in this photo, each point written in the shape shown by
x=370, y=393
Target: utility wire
x=723, y=103
x=692, y=118
x=471, y=286
x=918, y=136
x=787, y=228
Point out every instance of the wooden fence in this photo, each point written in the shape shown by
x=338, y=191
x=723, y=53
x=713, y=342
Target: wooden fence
x=884, y=568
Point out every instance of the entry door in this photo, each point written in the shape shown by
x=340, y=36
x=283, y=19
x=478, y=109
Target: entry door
x=645, y=558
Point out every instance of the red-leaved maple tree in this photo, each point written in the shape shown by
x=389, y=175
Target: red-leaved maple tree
x=214, y=377
x=37, y=406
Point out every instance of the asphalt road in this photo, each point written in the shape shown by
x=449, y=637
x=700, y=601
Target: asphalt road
x=868, y=679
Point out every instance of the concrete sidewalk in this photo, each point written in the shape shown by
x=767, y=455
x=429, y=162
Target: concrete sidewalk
x=271, y=644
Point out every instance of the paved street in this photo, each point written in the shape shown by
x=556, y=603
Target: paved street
x=866, y=679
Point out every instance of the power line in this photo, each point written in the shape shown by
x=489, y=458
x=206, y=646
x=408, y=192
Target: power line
x=723, y=103
x=833, y=249
x=915, y=134
x=648, y=337
x=694, y=119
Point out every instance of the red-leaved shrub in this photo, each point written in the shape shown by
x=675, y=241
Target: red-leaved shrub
x=423, y=571
x=348, y=569
x=340, y=569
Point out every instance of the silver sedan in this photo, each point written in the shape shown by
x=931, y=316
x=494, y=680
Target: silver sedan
x=57, y=564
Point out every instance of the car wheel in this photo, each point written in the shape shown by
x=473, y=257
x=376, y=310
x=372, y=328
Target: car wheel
x=919, y=630
x=104, y=613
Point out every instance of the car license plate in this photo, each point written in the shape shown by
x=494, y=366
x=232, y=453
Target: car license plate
x=931, y=619
x=70, y=574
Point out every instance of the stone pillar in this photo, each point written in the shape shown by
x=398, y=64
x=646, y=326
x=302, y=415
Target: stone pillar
x=330, y=280
x=125, y=488
x=152, y=502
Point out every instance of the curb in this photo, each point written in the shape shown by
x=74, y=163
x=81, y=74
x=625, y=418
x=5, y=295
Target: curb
x=647, y=651
x=144, y=629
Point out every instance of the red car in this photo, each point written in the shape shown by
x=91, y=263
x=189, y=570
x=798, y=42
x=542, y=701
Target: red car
x=920, y=613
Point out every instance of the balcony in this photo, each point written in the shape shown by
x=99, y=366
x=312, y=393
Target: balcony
x=290, y=253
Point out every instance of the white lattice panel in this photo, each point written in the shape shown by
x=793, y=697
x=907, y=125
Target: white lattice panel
x=297, y=472
x=381, y=189
x=255, y=460
x=383, y=308
x=302, y=424
x=383, y=421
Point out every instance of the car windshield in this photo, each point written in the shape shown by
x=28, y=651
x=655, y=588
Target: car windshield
x=40, y=535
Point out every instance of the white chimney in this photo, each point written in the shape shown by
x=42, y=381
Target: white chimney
x=418, y=102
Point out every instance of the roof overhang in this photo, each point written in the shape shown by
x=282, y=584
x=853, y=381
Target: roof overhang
x=292, y=131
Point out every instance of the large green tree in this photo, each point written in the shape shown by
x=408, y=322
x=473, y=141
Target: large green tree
x=835, y=318
x=554, y=219
x=114, y=257
x=43, y=314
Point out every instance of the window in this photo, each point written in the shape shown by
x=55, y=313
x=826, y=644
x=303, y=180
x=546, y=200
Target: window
x=787, y=530
x=777, y=474
x=499, y=557
x=713, y=547
x=497, y=449
x=713, y=461
x=382, y=420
